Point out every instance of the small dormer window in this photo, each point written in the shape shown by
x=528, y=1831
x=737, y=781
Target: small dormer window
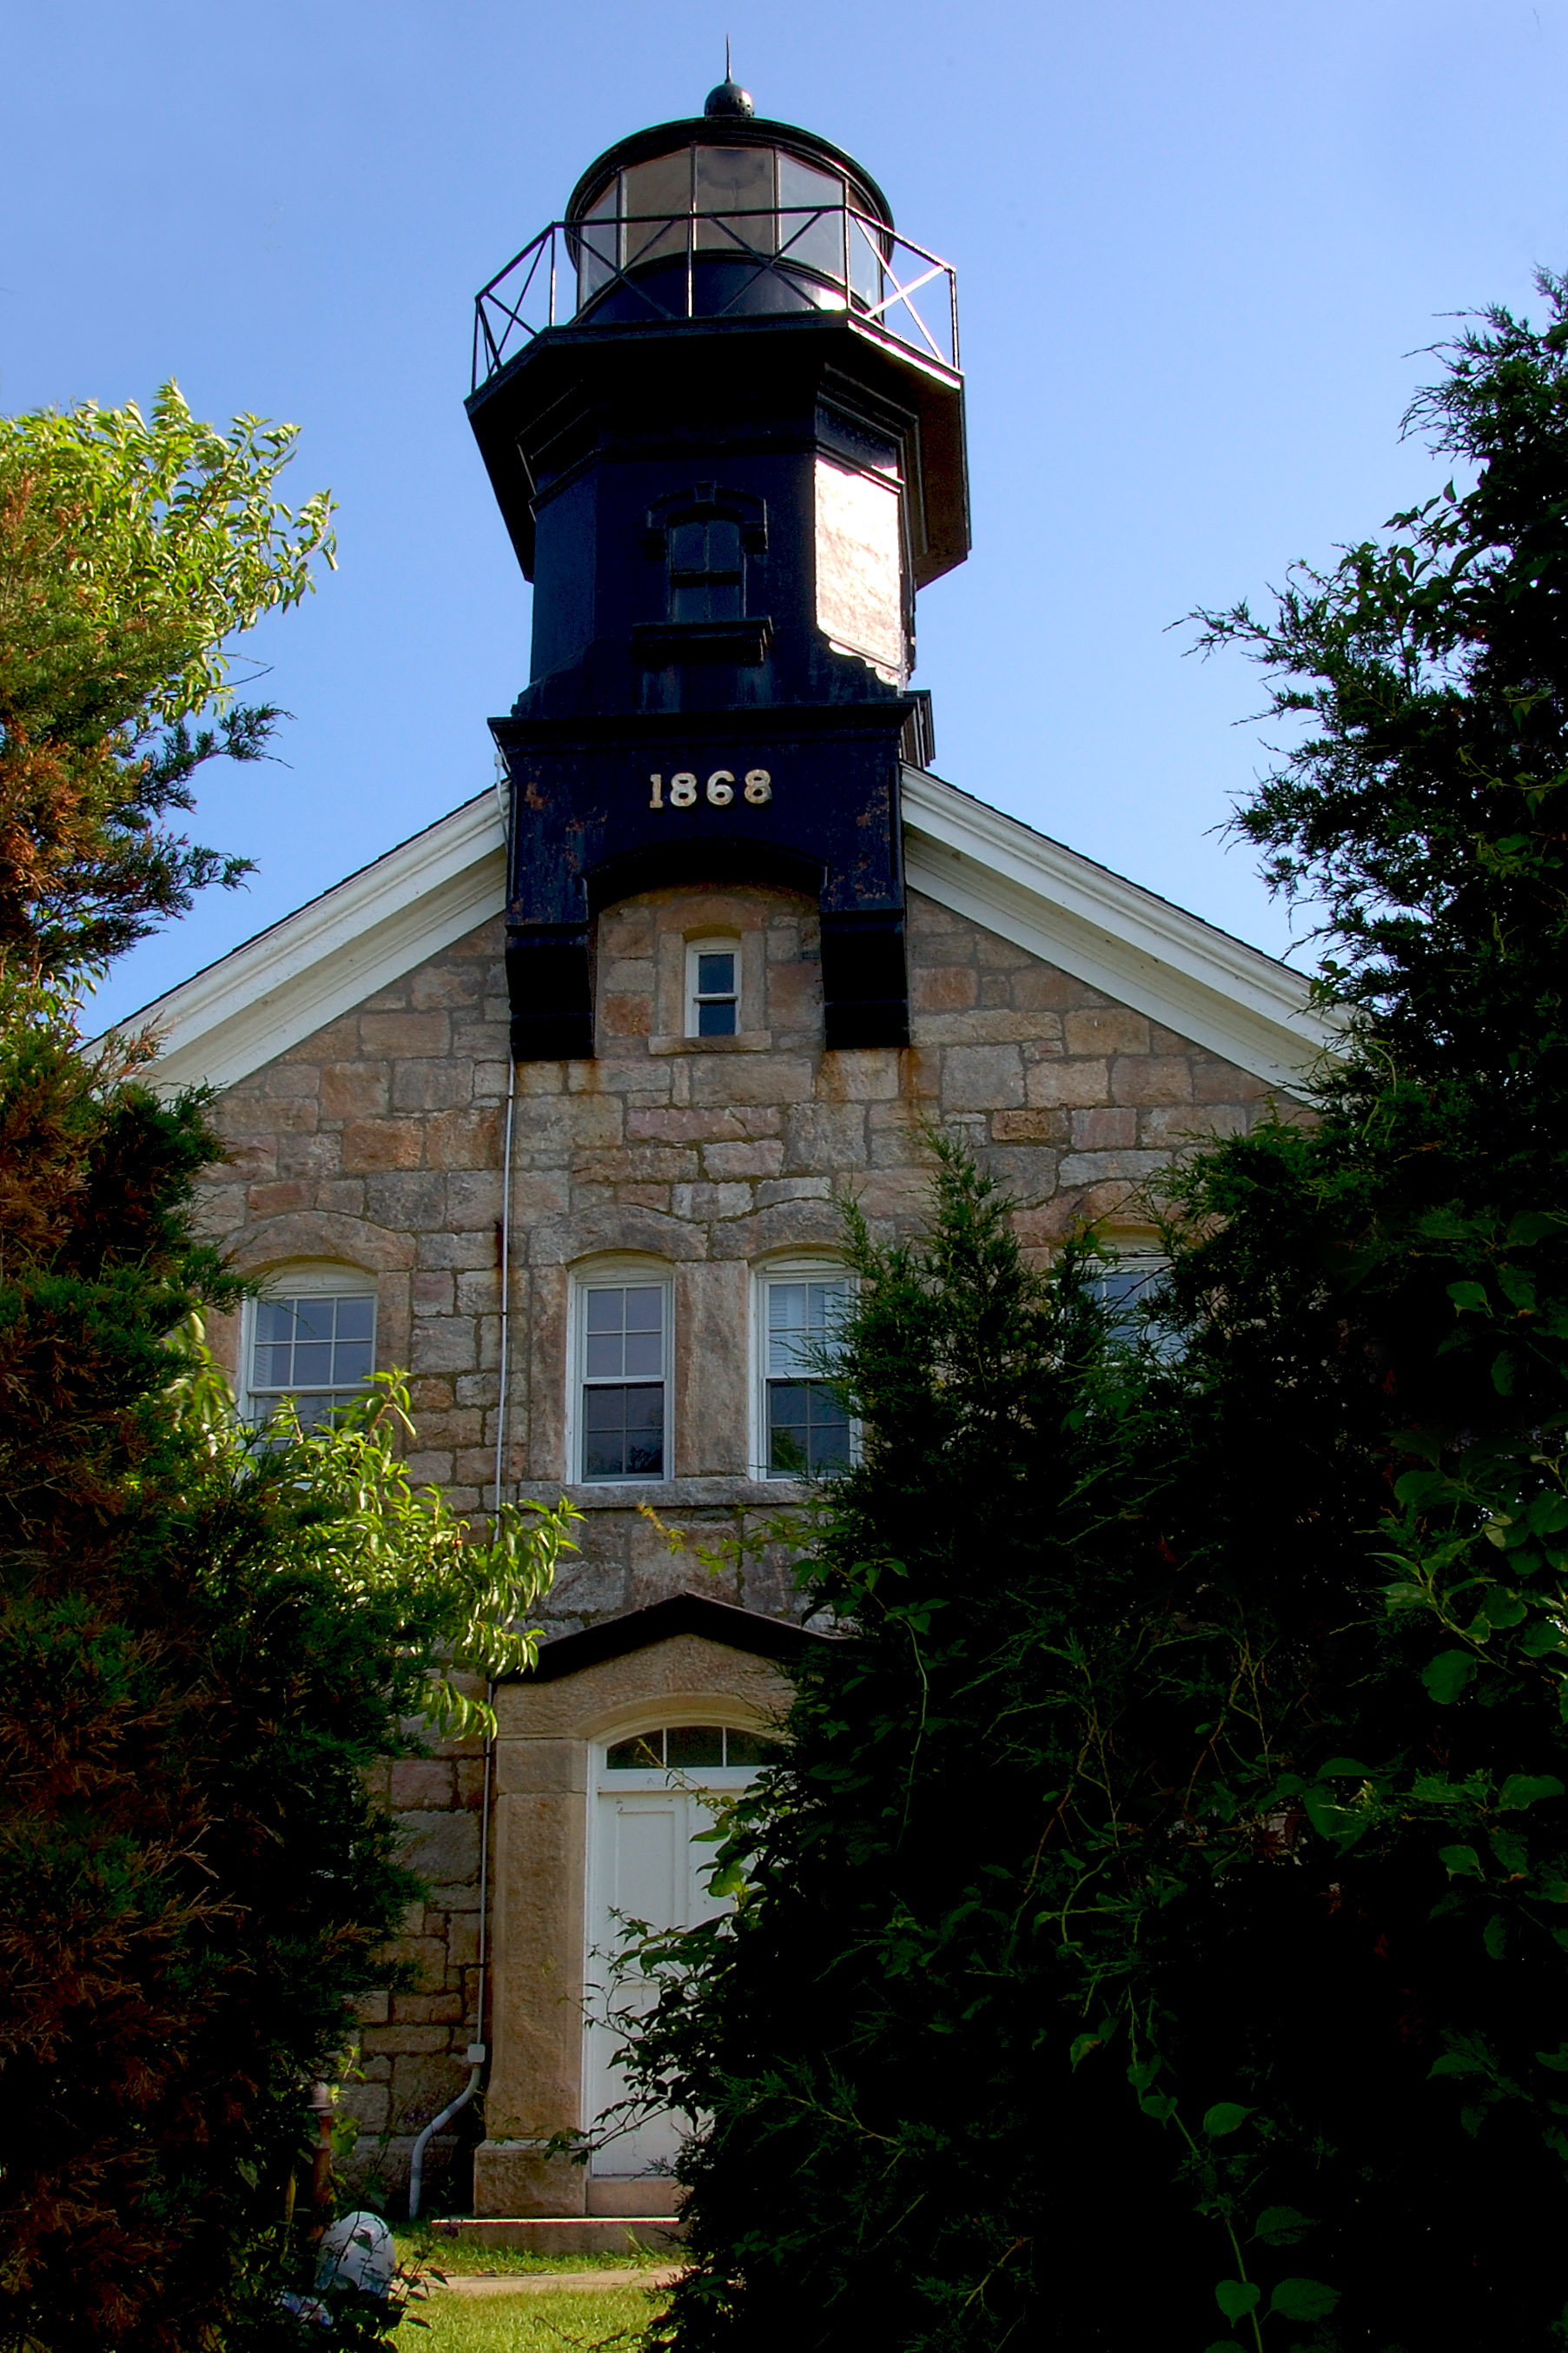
x=713, y=989
x=707, y=570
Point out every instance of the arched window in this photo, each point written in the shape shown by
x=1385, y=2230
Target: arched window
x=310, y=1336
x=622, y=1357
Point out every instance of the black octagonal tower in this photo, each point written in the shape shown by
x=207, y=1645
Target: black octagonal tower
x=722, y=411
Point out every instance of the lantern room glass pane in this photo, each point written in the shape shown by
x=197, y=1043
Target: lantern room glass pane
x=811, y=217
x=598, y=242
x=655, y=201
x=734, y=199
x=865, y=261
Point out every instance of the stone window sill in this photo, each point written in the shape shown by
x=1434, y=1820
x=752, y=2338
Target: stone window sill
x=745, y=1041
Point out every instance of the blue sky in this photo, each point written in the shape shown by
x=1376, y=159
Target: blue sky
x=1201, y=249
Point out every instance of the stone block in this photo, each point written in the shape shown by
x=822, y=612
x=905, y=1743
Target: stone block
x=1037, y=1126
x=982, y=1077
x=473, y=1200
x=894, y=1194
x=405, y=1035
x=429, y=1086
x=859, y=1074
x=371, y=1145
x=287, y=1082
x=824, y=1138
x=1152, y=1078
x=1101, y=1129
x=443, y=2009
x=1105, y=1029
x=445, y=1344
x=421, y=1781
x=730, y=1160
x=751, y=1079
x=1099, y=1167
x=1068, y=1083
x=943, y=988
x=406, y=1201
x=1217, y=1082
x=1175, y=1127
x=394, y=2041
x=317, y=1157
x=337, y=1043
x=704, y=1202
x=443, y=984
x=280, y=1200
x=366, y=2104
x=427, y=1957
x=443, y=1848
x=463, y=1139
x=372, y=2009
x=625, y=1015
x=431, y=1293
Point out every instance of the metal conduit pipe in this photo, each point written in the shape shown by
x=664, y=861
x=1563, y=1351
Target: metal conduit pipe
x=476, y=2058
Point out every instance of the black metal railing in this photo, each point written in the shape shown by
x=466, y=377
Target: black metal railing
x=691, y=264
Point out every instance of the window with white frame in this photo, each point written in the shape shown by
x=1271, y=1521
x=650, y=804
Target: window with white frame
x=621, y=1379
x=713, y=987
x=1125, y=1290
x=803, y=1427
x=311, y=1337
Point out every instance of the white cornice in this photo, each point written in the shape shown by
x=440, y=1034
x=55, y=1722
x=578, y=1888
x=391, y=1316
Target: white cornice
x=368, y=931
x=1134, y=946
x=361, y=935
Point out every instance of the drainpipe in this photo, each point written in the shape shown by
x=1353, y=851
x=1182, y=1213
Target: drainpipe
x=476, y=2060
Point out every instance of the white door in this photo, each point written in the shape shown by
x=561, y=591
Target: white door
x=644, y=1864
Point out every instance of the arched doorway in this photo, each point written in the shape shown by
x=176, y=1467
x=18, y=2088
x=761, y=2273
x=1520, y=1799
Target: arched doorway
x=656, y=1794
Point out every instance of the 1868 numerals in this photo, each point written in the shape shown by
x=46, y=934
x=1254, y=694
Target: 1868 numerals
x=718, y=792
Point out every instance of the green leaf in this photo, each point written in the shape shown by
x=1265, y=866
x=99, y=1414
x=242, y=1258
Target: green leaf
x=1468, y=1297
x=1303, y=2299
x=1225, y=2118
x=1460, y=1862
x=1556, y=2060
x=1494, y=1936
x=1345, y=1765
x=1281, y=2226
x=1446, y=1675
x=1082, y=2045
x=1527, y=1790
x=1237, y=2298
x=1225, y=2345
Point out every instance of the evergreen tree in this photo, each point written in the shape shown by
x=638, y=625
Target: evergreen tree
x=207, y=1637
x=1157, y=1931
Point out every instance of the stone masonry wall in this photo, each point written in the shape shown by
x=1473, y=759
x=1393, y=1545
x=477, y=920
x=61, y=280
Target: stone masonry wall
x=377, y=1143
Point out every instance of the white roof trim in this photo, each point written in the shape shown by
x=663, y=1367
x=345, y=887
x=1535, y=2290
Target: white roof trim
x=359, y=936
x=368, y=931
x=1134, y=946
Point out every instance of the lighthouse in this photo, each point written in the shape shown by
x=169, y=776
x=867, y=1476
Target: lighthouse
x=720, y=407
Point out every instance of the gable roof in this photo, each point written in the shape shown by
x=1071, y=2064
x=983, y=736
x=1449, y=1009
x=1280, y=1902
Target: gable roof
x=682, y=1613
x=380, y=923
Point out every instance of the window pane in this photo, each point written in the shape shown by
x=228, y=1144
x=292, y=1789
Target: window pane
x=715, y=975
x=716, y=1020
x=274, y=1320
x=811, y=217
x=751, y=1748
x=607, y=1310
x=352, y=1361
x=689, y=548
x=733, y=181
x=644, y=1355
x=598, y=243
x=643, y=1755
x=356, y=1319
x=689, y=1746
x=623, y=1432
x=645, y=1308
x=809, y=1430
x=274, y=1369
x=661, y=188
x=606, y=1356
x=804, y=1318
x=314, y=1318
x=313, y=1363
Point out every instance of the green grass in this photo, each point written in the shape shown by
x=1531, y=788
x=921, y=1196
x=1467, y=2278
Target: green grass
x=463, y=2258
x=530, y=2324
